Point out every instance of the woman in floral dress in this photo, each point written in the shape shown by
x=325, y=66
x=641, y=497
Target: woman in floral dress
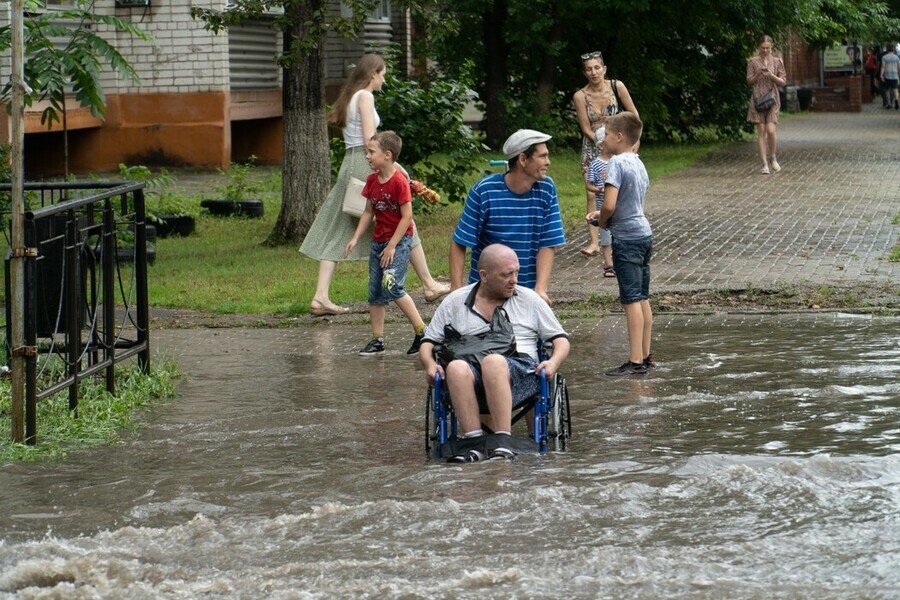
x=765, y=73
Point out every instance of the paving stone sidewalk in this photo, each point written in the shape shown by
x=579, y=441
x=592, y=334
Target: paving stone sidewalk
x=825, y=219
x=721, y=225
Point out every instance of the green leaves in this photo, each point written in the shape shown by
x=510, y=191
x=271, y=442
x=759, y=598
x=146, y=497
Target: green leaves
x=65, y=54
x=683, y=62
x=428, y=116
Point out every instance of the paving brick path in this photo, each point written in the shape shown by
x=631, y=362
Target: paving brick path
x=824, y=219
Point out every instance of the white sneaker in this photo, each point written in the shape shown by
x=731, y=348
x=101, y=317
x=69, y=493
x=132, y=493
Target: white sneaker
x=775, y=166
x=765, y=170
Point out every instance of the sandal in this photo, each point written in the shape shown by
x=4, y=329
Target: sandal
x=323, y=309
x=589, y=253
x=609, y=272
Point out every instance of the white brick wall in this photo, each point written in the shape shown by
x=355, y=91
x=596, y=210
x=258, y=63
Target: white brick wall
x=5, y=58
x=187, y=57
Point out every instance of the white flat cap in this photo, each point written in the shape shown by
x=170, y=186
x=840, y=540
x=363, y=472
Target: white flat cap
x=521, y=141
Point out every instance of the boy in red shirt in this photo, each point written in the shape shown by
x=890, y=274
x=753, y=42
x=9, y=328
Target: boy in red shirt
x=390, y=204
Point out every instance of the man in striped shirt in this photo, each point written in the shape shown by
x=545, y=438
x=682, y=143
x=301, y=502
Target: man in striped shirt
x=519, y=209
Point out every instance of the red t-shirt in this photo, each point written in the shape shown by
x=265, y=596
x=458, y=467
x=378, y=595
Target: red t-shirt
x=386, y=199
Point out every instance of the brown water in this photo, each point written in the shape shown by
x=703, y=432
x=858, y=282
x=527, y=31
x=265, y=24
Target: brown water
x=761, y=460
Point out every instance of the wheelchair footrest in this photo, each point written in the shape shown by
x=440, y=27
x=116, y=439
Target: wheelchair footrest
x=488, y=442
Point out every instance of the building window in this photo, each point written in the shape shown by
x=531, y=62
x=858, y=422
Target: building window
x=382, y=11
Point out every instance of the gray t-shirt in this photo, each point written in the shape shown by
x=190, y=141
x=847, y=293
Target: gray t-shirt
x=531, y=317
x=891, y=64
x=628, y=174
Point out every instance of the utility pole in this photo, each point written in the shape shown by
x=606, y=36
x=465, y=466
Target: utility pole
x=17, y=240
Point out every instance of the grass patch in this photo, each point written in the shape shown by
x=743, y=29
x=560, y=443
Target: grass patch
x=102, y=418
x=784, y=297
x=224, y=268
x=894, y=254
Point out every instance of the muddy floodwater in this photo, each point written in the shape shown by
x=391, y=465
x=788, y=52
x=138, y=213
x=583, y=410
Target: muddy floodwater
x=760, y=460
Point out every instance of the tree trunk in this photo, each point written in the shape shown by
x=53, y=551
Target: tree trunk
x=306, y=175
x=495, y=73
x=546, y=84
x=65, y=126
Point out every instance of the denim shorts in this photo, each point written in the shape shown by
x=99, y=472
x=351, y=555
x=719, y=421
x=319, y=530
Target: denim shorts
x=386, y=285
x=524, y=382
x=631, y=260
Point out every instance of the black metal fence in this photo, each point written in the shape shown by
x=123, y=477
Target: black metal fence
x=85, y=287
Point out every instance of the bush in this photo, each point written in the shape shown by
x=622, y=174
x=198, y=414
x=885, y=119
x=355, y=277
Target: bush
x=428, y=115
x=158, y=197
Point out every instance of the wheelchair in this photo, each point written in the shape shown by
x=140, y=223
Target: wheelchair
x=550, y=421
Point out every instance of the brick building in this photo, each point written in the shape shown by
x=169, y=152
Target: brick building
x=830, y=76
x=203, y=99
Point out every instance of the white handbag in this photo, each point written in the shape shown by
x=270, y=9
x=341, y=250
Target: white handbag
x=354, y=201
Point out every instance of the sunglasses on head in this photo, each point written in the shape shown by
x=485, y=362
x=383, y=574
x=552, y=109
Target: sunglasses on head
x=589, y=55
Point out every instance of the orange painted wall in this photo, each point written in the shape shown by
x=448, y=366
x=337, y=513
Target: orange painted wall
x=163, y=130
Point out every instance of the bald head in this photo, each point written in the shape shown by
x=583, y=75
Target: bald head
x=498, y=267
x=494, y=255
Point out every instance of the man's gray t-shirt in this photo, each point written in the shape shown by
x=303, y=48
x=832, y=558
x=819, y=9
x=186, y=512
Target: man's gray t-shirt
x=628, y=174
x=891, y=64
x=531, y=318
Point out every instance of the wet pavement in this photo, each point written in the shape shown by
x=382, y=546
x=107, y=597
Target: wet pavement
x=825, y=219
x=760, y=460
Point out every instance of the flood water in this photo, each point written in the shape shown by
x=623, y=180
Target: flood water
x=760, y=460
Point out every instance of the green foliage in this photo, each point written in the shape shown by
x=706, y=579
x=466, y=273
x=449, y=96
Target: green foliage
x=305, y=22
x=52, y=71
x=683, y=63
x=428, y=116
x=158, y=195
x=337, y=149
x=101, y=417
x=239, y=182
x=894, y=254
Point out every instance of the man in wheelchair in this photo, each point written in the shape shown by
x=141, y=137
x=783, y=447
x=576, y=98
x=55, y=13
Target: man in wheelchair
x=511, y=320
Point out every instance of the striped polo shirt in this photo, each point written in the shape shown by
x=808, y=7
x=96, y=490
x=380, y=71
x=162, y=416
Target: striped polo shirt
x=525, y=222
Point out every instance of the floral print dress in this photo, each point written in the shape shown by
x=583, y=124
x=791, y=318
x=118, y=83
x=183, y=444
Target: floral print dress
x=762, y=87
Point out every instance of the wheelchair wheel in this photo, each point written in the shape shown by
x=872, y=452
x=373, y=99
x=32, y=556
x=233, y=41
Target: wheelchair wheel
x=560, y=420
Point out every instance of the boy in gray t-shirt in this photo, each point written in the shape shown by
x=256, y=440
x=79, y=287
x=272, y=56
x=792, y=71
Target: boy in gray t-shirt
x=632, y=244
